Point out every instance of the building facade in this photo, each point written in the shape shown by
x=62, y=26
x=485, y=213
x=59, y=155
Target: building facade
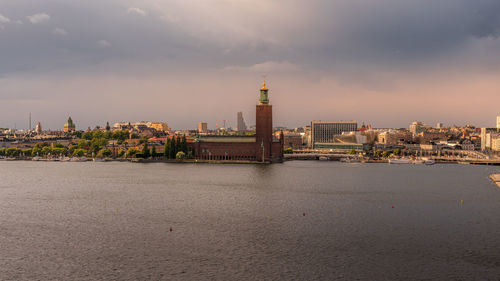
x=325, y=131
x=202, y=128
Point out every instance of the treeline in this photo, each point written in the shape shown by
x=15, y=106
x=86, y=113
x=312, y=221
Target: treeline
x=174, y=148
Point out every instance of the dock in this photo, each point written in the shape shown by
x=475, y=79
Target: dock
x=495, y=178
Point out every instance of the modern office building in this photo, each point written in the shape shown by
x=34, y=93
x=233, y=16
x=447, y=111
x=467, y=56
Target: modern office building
x=325, y=131
x=202, y=127
x=240, y=122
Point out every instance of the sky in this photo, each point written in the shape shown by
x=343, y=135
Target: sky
x=381, y=62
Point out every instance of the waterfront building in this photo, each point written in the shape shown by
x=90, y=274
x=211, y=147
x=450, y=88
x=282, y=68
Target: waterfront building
x=293, y=140
x=264, y=146
x=393, y=137
x=240, y=122
x=495, y=143
x=325, y=131
x=202, y=128
x=69, y=126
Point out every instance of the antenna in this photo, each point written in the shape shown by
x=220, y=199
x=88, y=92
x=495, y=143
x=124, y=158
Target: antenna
x=30, y=122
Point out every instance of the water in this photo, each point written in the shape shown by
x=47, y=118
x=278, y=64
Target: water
x=291, y=221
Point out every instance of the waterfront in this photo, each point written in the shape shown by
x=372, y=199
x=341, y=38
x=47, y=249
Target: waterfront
x=297, y=220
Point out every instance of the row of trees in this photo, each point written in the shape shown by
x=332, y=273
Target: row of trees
x=175, y=148
x=387, y=153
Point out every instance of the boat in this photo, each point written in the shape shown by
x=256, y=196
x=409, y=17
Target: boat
x=10, y=159
x=399, y=161
x=99, y=160
x=350, y=160
x=430, y=162
x=418, y=161
x=36, y=158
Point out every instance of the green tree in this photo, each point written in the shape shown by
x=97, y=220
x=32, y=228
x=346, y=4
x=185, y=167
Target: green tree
x=79, y=152
x=104, y=153
x=288, y=150
x=13, y=151
x=397, y=151
x=166, y=150
x=378, y=153
x=173, y=150
x=121, y=153
x=180, y=155
x=145, y=151
x=184, y=146
x=352, y=152
x=3, y=151
x=46, y=150
x=153, y=151
x=386, y=153
x=87, y=135
x=27, y=152
x=131, y=153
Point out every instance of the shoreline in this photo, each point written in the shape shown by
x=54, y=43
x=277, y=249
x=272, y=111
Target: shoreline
x=202, y=161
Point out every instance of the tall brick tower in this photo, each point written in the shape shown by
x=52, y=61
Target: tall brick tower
x=264, y=126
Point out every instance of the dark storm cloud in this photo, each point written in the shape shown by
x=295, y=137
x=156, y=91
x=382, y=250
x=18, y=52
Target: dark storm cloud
x=386, y=32
x=52, y=51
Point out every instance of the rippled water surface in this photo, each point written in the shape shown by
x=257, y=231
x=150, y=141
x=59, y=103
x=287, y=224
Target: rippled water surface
x=291, y=221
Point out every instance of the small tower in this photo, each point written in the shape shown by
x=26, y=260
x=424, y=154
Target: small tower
x=69, y=126
x=264, y=126
x=264, y=97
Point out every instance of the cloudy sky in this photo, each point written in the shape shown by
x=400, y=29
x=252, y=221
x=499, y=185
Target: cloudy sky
x=384, y=62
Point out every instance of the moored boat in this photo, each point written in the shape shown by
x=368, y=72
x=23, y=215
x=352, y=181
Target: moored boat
x=399, y=161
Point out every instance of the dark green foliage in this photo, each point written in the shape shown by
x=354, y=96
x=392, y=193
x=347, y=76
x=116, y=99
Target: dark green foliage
x=145, y=151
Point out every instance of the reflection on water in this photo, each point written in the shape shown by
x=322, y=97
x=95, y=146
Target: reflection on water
x=297, y=220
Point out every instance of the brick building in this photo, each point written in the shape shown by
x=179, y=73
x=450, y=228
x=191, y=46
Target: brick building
x=262, y=147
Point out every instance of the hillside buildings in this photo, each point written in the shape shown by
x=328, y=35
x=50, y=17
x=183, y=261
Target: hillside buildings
x=142, y=126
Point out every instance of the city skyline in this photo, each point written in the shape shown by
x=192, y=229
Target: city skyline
x=183, y=62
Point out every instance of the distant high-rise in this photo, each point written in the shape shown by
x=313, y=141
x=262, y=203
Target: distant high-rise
x=69, y=126
x=38, y=128
x=439, y=125
x=240, y=122
x=202, y=127
x=498, y=122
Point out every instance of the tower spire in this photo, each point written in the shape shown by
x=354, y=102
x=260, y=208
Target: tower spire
x=264, y=97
